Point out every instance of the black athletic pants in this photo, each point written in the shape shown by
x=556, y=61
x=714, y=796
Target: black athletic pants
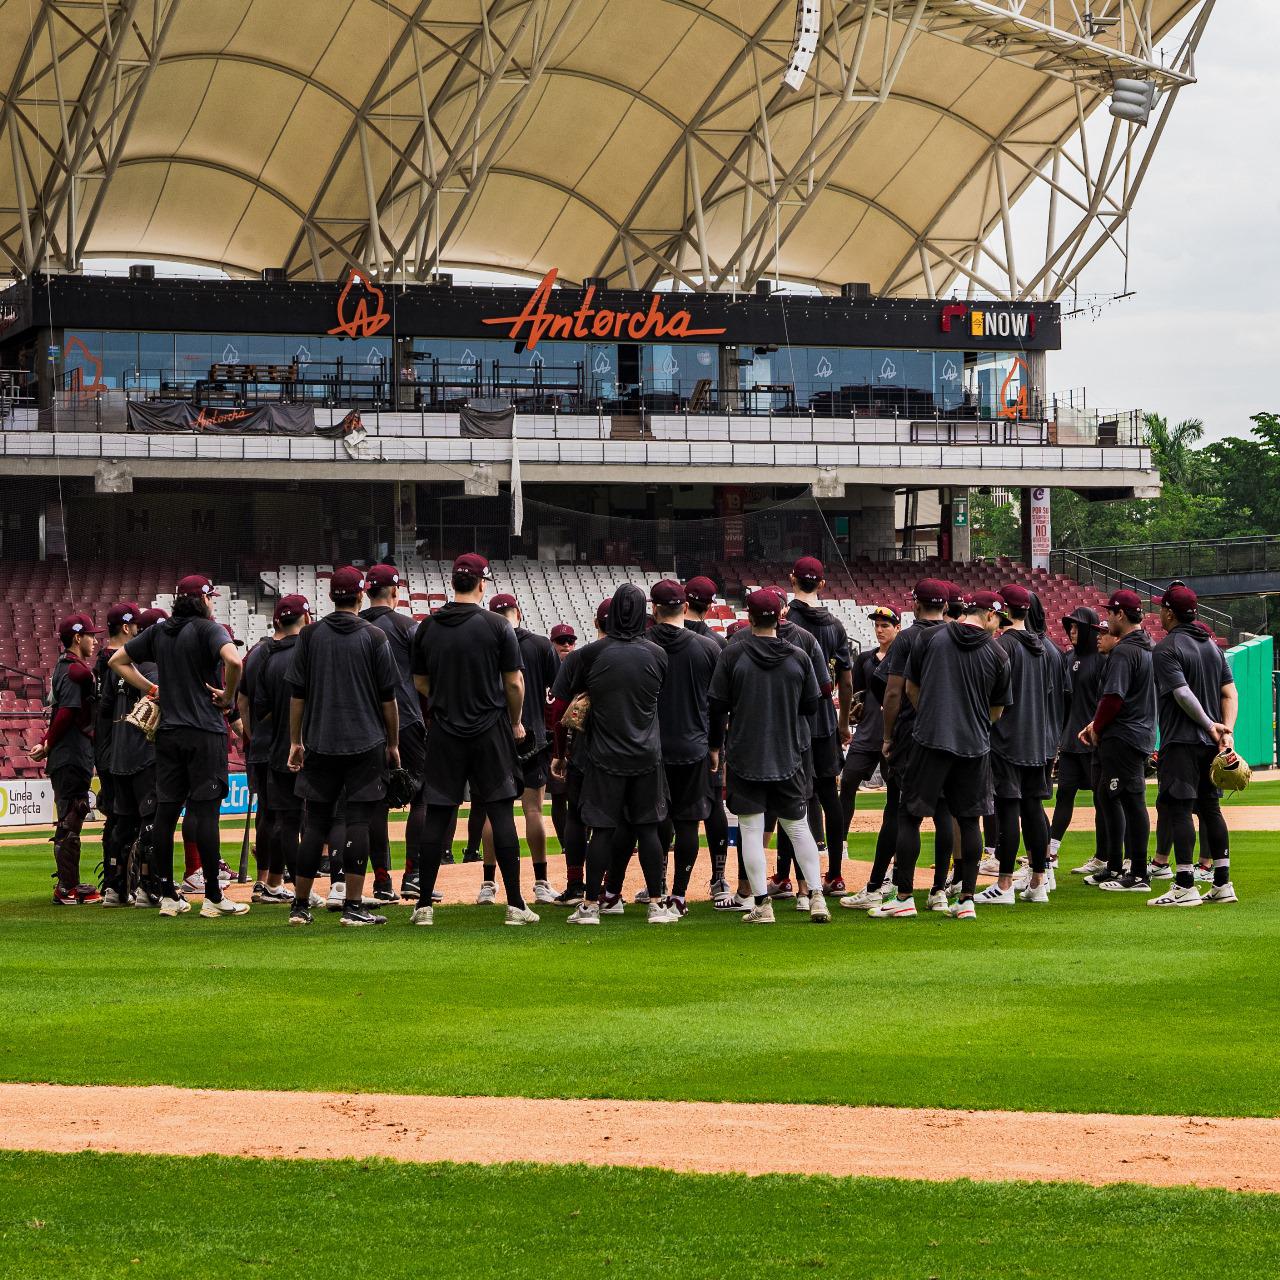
x=202, y=823
x=1022, y=818
x=441, y=821
x=1126, y=829
x=908, y=850
x=610, y=850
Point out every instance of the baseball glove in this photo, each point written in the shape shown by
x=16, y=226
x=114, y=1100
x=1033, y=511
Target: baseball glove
x=575, y=714
x=145, y=716
x=1229, y=772
x=402, y=786
x=527, y=748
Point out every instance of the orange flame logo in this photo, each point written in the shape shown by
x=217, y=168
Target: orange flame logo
x=1017, y=408
x=79, y=387
x=355, y=320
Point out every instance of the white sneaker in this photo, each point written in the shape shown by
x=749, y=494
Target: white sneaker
x=488, y=894
x=1037, y=893
x=1221, y=893
x=585, y=913
x=819, y=912
x=863, y=900
x=316, y=899
x=521, y=915
x=994, y=896
x=212, y=910
x=194, y=883
x=114, y=898
x=279, y=893
x=1051, y=877
x=659, y=914
x=1160, y=871
x=543, y=892
x=1203, y=875
x=1177, y=896
x=337, y=899
x=989, y=867
x=424, y=916
x=174, y=906
x=762, y=914
x=892, y=909
x=734, y=902
x=225, y=874
x=1088, y=868
x=963, y=910
x=937, y=901
x=802, y=902
x=143, y=901
x=612, y=906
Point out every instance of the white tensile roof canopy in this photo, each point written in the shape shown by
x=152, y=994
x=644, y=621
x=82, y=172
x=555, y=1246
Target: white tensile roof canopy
x=640, y=140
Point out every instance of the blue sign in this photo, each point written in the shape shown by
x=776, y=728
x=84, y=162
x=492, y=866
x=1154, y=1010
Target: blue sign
x=237, y=799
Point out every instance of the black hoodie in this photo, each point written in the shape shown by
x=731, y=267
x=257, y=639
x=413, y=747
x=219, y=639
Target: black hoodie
x=833, y=640
x=1084, y=671
x=766, y=686
x=186, y=653
x=1057, y=683
x=698, y=627
x=269, y=694
x=1189, y=656
x=1020, y=735
x=342, y=666
x=683, y=714
x=464, y=651
x=399, y=631
x=1130, y=676
x=962, y=673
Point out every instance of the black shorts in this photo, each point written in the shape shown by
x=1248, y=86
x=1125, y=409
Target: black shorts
x=135, y=793
x=1121, y=767
x=827, y=758
x=782, y=797
x=1182, y=770
x=413, y=749
x=1075, y=771
x=361, y=778
x=859, y=768
x=70, y=783
x=536, y=771
x=614, y=799
x=282, y=795
x=1018, y=781
x=689, y=786
x=486, y=763
x=963, y=782
x=191, y=764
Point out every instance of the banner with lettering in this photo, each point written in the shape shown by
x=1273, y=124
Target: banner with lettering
x=180, y=416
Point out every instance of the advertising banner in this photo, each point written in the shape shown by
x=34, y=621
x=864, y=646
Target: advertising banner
x=1040, y=528
x=237, y=800
x=179, y=415
x=26, y=802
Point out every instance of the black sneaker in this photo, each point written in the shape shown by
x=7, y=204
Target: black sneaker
x=1127, y=884
x=471, y=855
x=299, y=914
x=572, y=895
x=1101, y=877
x=385, y=892
x=409, y=884
x=358, y=917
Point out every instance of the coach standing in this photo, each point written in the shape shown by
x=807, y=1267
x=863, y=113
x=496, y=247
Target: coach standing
x=198, y=672
x=466, y=663
x=122, y=625
x=343, y=736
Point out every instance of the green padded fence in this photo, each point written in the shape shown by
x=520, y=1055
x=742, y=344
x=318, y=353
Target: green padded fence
x=1252, y=665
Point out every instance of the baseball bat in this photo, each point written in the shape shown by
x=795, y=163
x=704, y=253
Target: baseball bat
x=243, y=875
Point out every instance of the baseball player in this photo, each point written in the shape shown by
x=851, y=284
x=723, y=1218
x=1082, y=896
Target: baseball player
x=1076, y=761
x=466, y=663
x=1197, y=709
x=198, y=672
x=266, y=844
x=864, y=756
x=122, y=625
x=563, y=638
x=67, y=750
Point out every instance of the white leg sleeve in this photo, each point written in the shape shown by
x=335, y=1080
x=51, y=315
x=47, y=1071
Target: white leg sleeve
x=751, y=835
x=805, y=849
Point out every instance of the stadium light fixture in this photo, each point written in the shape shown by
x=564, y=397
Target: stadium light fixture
x=804, y=44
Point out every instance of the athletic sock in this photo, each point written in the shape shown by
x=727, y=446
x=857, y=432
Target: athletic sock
x=352, y=904
x=539, y=870
x=1054, y=846
x=1221, y=871
x=1184, y=879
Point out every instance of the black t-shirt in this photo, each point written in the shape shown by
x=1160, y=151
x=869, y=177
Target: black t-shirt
x=73, y=689
x=399, y=631
x=464, y=651
x=682, y=705
x=869, y=734
x=259, y=734
x=962, y=673
x=186, y=652
x=540, y=665
x=895, y=664
x=1057, y=694
x=699, y=627
x=1085, y=673
x=272, y=694
x=833, y=640
x=1019, y=735
x=342, y=666
x=768, y=689
x=624, y=679
x=1130, y=675
x=1189, y=656
x=104, y=721
x=130, y=750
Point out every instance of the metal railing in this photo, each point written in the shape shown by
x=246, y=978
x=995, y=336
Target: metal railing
x=1194, y=557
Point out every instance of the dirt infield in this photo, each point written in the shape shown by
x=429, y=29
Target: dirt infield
x=703, y=1137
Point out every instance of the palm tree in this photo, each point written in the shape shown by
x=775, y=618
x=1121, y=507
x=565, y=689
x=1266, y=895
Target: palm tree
x=1172, y=447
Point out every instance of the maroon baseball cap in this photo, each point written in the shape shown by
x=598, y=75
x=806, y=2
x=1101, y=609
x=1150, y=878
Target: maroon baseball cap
x=602, y=613
x=809, y=567
x=765, y=601
x=194, y=584
x=1125, y=599
x=382, y=575
x=932, y=591
x=149, y=617
x=77, y=624
x=956, y=594
x=477, y=566
x=502, y=601
x=563, y=631
x=290, y=607
x=119, y=614
x=1016, y=597
x=668, y=593
x=737, y=625
x=991, y=600
x=701, y=590
x=347, y=581
x=1181, y=599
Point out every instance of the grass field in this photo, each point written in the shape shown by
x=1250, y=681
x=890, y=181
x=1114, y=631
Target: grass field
x=91, y=1215
x=1096, y=1002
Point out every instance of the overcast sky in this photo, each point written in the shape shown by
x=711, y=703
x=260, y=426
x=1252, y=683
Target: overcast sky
x=1200, y=338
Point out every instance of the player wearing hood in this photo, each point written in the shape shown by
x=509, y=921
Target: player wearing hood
x=1076, y=761
x=1018, y=741
x=1197, y=708
x=1123, y=731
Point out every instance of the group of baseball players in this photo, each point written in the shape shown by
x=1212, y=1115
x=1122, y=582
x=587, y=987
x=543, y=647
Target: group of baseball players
x=658, y=731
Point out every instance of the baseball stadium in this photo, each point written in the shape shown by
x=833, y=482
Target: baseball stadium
x=505, y=474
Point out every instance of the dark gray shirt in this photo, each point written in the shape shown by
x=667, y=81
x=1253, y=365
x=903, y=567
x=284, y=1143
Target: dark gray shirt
x=1130, y=676
x=1189, y=656
x=259, y=741
x=540, y=665
x=464, y=651
x=272, y=694
x=399, y=631
x=73, y=690
x=130, y=750
x=1019, y=735
x=869, y=733
x=342, y=666
x=699, y=627
x=683, y=712
x=1085, y=672
x=833, y=641
x=962, y=673
x=186, y=653
x=895, y=664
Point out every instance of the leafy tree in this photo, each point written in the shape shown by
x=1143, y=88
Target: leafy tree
x=1171, y=447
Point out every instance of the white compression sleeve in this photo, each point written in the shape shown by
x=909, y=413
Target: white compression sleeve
x=805, y=849
x=751, y=836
